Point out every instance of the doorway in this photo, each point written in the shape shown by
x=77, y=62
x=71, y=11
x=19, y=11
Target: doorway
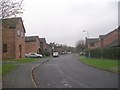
x=20, y=51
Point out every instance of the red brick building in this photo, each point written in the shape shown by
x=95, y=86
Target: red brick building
x=43, y=45
x=32, y=44
x=48, y=48
x=111, y=39
x=13, y=38
x=92, y=43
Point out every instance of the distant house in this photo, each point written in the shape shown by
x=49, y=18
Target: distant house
x=32, y=44
x=59, y=49
x=92, y=43
x=111, y=39
x=13, y=38
x=43, y=45
x=56, y=48
x=48, y=48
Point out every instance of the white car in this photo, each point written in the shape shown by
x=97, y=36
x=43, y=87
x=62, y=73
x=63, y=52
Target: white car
x=55, y=54
x=34, y=55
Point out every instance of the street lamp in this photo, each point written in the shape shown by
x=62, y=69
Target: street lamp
x=87, y=42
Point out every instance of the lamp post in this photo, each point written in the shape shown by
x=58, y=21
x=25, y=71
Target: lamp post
x=88, y=43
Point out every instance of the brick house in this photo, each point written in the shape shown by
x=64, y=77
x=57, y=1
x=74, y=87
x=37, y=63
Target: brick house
x=56, y=48
x=32, y=44
x=43, y=45
x=92, y=43
x=48, y=48
x=111, y=39
x=13, y=38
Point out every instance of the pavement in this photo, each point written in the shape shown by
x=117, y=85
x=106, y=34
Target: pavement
x=21, y=76
x=67, y=71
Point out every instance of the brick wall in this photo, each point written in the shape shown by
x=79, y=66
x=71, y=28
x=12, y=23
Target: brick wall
x=8, y=37
x=19, y=40
x=32, y=46
x=58, y=49
x=110, y=38
x=94, y=46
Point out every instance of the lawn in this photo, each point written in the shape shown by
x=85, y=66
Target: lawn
x=27, y=60
x=7, y=68
x=13, y=63
x=23, y=60
x=105, y=64
x=0, y=69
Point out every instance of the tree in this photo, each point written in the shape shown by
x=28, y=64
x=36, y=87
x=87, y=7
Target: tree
x=10, y=8
x=80, y=46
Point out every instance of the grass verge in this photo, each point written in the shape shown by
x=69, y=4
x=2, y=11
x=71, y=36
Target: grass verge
x=11, y=64
x=0, y=69
x=104, y=64
x=27, y=60
x=22, y=60
x=7, y=68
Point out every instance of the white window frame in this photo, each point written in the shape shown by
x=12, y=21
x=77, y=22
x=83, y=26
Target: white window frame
x=22, y=35
x=18, y=32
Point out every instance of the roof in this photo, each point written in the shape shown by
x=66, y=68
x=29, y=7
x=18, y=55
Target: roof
x=31, y=38
x=115, y=43
x=42, y=40
x=92, y=40
x=12, y=22
x=118, y=29
x=103, y=36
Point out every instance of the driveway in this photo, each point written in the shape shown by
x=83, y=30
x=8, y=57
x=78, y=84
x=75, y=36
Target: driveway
x=67, y=71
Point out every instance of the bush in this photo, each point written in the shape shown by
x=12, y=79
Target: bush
x=108, y=53
x=47, y=53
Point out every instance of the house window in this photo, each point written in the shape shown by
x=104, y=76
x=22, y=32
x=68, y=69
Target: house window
x=4, y=47
x=18, y=32
x=22, y=34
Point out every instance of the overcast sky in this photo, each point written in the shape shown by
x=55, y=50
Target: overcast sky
x=63, y=21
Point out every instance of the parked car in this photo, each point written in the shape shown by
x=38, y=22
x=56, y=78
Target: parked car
x=69, y=52
x=33, y=55
x=55, y=54
x=27, y=55
x=63, y=53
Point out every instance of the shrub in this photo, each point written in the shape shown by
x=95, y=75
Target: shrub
x=108, y=53
x=47, y=53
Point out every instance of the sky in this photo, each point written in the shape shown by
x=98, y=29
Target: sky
x=63, y=21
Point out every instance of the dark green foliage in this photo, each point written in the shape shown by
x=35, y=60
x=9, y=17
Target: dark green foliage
x=47, y=53
x=108, y=53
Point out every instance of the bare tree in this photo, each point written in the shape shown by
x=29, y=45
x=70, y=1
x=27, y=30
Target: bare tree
x=80, y=46
x=9, y=8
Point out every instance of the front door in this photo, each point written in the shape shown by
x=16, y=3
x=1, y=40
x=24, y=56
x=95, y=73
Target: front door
x=20, y=51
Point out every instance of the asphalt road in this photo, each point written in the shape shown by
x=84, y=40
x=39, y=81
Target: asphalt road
x=67, y=72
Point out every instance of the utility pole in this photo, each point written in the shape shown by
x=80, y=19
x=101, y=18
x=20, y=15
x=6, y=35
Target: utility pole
x=88, y=43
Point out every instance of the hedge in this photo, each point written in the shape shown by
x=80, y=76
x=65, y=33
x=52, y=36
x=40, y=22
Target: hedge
x=108, y=53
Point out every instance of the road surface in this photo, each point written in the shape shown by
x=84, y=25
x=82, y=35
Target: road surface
x=67, y=71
